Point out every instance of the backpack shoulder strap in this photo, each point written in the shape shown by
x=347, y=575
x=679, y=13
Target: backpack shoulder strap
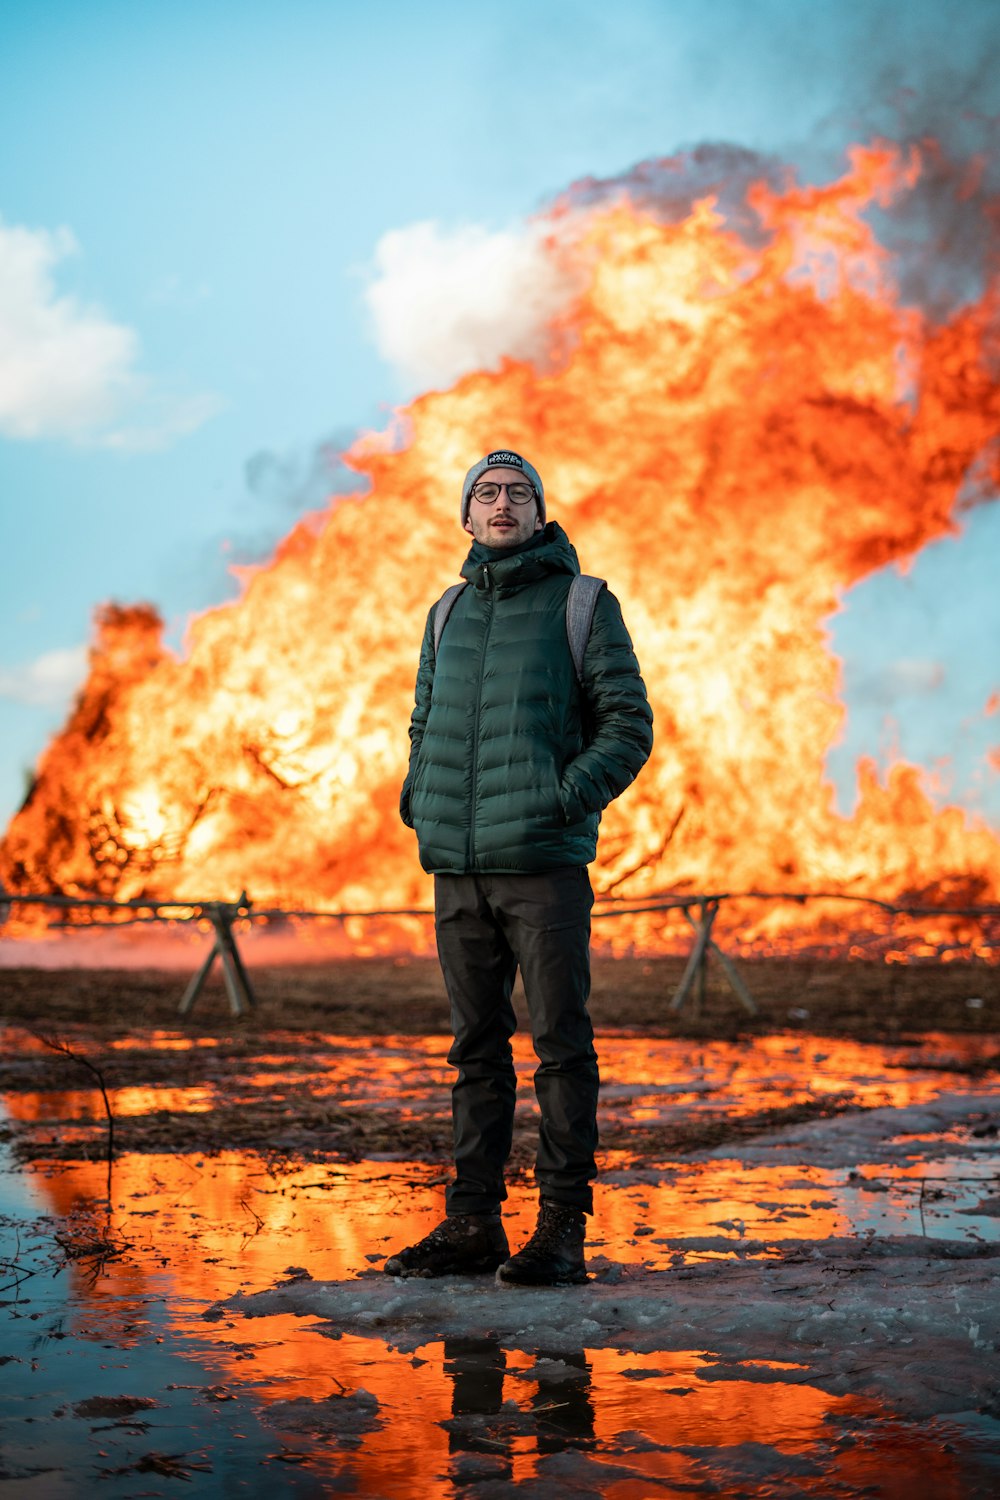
x=580, y=604
x=442, y=610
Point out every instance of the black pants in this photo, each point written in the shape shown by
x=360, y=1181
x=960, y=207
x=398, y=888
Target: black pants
x=488, y=926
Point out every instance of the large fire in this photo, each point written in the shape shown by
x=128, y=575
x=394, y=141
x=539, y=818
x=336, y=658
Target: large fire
x=732, y=433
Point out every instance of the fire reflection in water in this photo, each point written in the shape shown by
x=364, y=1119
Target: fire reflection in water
x=647, y=1080
x=337, y=1407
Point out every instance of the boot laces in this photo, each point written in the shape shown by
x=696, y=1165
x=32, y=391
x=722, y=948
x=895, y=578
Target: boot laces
x=449, y=1232
x=554, y=1223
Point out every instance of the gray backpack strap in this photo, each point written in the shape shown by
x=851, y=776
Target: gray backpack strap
x=442, y=610
x=580, y=604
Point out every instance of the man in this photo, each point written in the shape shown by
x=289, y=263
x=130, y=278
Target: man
x=511, y=762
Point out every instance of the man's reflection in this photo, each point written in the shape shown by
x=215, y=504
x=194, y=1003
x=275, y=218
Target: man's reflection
x=562, y=1404
x=477, y=1367
x=561, y=1413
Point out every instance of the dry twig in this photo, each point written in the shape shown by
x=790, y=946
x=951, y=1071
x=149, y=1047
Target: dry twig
x=67, y=1051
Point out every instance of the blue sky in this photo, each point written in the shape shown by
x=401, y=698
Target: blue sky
x=194, y=199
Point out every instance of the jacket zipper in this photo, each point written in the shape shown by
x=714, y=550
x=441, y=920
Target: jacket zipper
x=479, y=712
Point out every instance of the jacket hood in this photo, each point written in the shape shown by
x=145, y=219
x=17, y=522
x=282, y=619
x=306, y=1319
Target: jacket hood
x=548, y=551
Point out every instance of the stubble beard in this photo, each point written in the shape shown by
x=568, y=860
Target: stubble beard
x=491, y=535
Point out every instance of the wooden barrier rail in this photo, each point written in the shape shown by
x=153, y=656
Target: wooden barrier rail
x=224, y=914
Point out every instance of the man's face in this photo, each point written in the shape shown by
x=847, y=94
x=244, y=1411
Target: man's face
x=501, y=523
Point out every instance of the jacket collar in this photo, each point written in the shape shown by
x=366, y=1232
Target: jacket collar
x=548, y=551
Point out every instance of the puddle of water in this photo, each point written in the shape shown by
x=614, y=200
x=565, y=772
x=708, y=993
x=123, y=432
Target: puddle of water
x=237, y=1407
x=647, y=1081
x=86, y=1104
x=241, y=1405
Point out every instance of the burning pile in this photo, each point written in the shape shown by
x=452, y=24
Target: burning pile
x=735, y=426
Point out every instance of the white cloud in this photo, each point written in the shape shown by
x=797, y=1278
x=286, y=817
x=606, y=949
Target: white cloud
x=173, y=291
x=177, y=418
x=447, y=302
x=47, y=682
x=66, y=369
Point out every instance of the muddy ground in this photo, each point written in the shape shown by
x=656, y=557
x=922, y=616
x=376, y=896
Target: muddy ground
x=302, y=1007
x=794, y=1258
x=867, y=1000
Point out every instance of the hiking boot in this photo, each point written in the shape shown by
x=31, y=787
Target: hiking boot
x=554, y=1254
x=461, y=1245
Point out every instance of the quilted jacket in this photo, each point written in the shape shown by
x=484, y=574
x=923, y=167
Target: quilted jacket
x=511, y=762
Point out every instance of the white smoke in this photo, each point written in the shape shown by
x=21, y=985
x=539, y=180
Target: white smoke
x=904, y=677
x=445, y=302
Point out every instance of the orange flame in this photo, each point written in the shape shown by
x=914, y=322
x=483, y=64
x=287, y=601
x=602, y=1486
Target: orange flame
x=732, y=434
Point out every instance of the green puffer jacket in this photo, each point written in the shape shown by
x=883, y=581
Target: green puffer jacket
x=510, y=763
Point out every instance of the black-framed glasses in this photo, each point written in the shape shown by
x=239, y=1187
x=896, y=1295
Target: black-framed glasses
x=518, y=493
